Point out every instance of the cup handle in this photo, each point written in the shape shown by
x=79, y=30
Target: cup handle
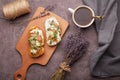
x=98, y=17
x=71, y=10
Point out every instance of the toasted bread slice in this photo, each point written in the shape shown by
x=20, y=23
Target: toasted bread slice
x=53, y=31
x=36, y=42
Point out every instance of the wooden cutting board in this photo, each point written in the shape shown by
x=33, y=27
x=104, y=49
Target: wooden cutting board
x=23, y=46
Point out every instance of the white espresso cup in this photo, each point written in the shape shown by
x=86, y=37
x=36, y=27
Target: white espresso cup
x=83, y=16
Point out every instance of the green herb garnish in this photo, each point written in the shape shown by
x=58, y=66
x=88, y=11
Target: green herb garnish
x=51, y=41
x=37, y=33
x=55, y=35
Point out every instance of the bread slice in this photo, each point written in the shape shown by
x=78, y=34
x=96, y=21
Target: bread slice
x=36, y=42
x=53, y=31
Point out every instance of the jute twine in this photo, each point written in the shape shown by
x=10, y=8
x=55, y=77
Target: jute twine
x=16, y=9
x=65, y=67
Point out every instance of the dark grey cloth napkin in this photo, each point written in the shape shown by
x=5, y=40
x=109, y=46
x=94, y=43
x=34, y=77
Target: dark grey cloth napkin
x=105, y=61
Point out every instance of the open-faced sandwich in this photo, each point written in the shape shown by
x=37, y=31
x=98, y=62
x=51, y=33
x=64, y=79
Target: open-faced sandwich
x=36, y=42
x=53, y=31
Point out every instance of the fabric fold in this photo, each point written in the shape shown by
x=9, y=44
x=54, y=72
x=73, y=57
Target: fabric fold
x=100, y=60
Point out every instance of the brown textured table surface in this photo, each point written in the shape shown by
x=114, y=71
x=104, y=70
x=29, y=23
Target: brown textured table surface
x=10, y=60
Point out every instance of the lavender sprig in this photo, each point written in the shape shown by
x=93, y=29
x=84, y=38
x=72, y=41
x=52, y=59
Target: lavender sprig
x=75, y=47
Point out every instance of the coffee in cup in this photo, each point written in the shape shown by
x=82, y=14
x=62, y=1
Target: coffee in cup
x=83, y=16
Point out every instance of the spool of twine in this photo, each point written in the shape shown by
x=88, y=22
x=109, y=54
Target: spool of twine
x=16, y=9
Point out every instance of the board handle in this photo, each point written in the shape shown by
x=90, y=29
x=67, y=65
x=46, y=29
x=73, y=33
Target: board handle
x=20, y=74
